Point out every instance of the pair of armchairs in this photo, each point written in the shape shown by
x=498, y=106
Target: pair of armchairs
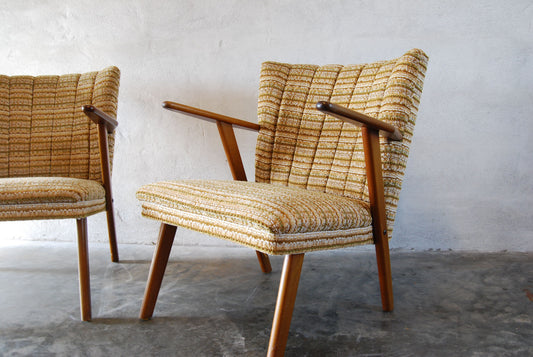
x=325, y=177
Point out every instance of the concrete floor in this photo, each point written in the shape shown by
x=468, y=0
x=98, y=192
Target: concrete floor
x=216, y=302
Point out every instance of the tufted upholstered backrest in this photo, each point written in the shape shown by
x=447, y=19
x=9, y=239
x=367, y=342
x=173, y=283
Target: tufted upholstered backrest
x=300, y=146
x=43, y=131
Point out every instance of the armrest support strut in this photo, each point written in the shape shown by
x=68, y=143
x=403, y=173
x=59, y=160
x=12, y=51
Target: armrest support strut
x=370, y=131
x=106, y=125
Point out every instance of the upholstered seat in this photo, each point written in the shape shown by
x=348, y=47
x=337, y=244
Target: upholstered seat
x=49, y=197
x=273, y=219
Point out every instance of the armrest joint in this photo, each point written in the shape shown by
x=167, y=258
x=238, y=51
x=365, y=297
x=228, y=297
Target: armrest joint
x=100, y=117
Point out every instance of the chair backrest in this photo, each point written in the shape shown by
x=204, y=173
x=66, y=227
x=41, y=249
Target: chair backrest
x=299, y=146
x=43, y=131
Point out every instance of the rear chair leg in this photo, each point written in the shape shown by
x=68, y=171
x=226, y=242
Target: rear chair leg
x=384, y=272
x=167, y=233
x=112, y=232
x=376, y=196
x=288, y=288
x=264, y=262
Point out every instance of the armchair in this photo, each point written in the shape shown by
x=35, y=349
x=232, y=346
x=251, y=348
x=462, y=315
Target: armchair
x=56, y=150
x=320, y=183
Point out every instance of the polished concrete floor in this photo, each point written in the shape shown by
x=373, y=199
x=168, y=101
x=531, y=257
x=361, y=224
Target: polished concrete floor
x=216, y=302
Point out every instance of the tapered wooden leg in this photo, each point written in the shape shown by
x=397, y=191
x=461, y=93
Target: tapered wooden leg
x=384, y=272
x=288, y=287
x=112, y=232
x=106, y=181
x=376, y=196
x=83, y=270
x=157, y=270
x=264, y=262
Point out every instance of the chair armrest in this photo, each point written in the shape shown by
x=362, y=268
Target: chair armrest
x=227, y=135
x=100, y=117
x=209, y=116
x=353, y=117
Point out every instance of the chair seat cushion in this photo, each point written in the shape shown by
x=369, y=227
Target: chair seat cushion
x=271, y=218
x=49, y=198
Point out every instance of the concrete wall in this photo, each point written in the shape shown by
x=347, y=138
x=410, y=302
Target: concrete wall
x=469, y=180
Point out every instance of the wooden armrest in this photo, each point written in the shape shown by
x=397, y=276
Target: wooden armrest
x=209, y=116
x=353, y=117
x=100, y=117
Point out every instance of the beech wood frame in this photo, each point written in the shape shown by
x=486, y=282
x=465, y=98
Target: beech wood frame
x=370, y=131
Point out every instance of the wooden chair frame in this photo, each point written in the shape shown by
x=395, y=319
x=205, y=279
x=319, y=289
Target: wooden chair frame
x=106, y=125
x=370, y=130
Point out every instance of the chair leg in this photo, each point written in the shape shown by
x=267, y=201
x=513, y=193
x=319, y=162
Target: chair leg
x=384, y=272
x=376, y=196
x=83, y=270
x=112, y=232
x=157, y=270
x=264, y=262
x=288, y=287
x=106, y=181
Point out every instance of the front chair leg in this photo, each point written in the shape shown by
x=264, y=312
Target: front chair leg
x=167, y=233
x=288, y=287
x=83, y=270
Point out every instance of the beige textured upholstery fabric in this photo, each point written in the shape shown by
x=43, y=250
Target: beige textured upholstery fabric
x=298, y=146
x=271, y=218
x=44, y=133
x=310, y=191
x=49, y=197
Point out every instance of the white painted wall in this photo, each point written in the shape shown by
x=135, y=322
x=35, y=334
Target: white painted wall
x=469, y=181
